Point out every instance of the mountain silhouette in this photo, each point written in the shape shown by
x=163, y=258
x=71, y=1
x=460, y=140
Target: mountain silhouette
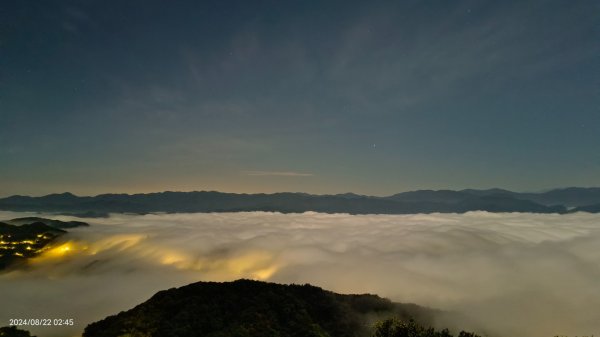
x=253, y=308
x=422, y=201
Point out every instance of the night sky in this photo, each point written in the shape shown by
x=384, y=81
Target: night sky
x=309, y=96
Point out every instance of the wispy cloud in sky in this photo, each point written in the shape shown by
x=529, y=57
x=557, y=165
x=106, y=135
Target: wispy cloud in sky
x=488, y=93
x=277, y=173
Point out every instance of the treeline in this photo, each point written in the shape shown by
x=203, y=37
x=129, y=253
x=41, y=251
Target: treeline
x=246, y=308
x=12, y=331
x=392, y=327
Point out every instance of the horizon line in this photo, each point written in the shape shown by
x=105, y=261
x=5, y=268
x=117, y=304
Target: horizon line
x=297, y=192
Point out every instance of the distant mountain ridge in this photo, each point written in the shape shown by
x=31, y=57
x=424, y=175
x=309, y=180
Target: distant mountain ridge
x=565, y=200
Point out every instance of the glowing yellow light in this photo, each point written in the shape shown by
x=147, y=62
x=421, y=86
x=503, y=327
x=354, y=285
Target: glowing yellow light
x=264, y=274
x=254, y=264
x=120, y=242
x=18, y=254
x=55, y=252
x=172, y=258
x=259, y=265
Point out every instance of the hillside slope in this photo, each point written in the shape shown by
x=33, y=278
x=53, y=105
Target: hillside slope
x=252, y=308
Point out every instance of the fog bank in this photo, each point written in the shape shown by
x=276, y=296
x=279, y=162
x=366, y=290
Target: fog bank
x=511, y=274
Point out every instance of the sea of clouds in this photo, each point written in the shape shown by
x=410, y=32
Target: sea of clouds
x=510, y=274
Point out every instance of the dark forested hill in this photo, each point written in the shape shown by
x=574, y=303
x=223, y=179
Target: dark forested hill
x=48, y=222
x=423, y=201
x=252, y=308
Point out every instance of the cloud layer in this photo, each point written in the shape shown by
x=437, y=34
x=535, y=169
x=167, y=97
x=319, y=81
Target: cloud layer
x=508, y=274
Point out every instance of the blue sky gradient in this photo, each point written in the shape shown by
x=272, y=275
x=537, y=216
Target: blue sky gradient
x=321, y=97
